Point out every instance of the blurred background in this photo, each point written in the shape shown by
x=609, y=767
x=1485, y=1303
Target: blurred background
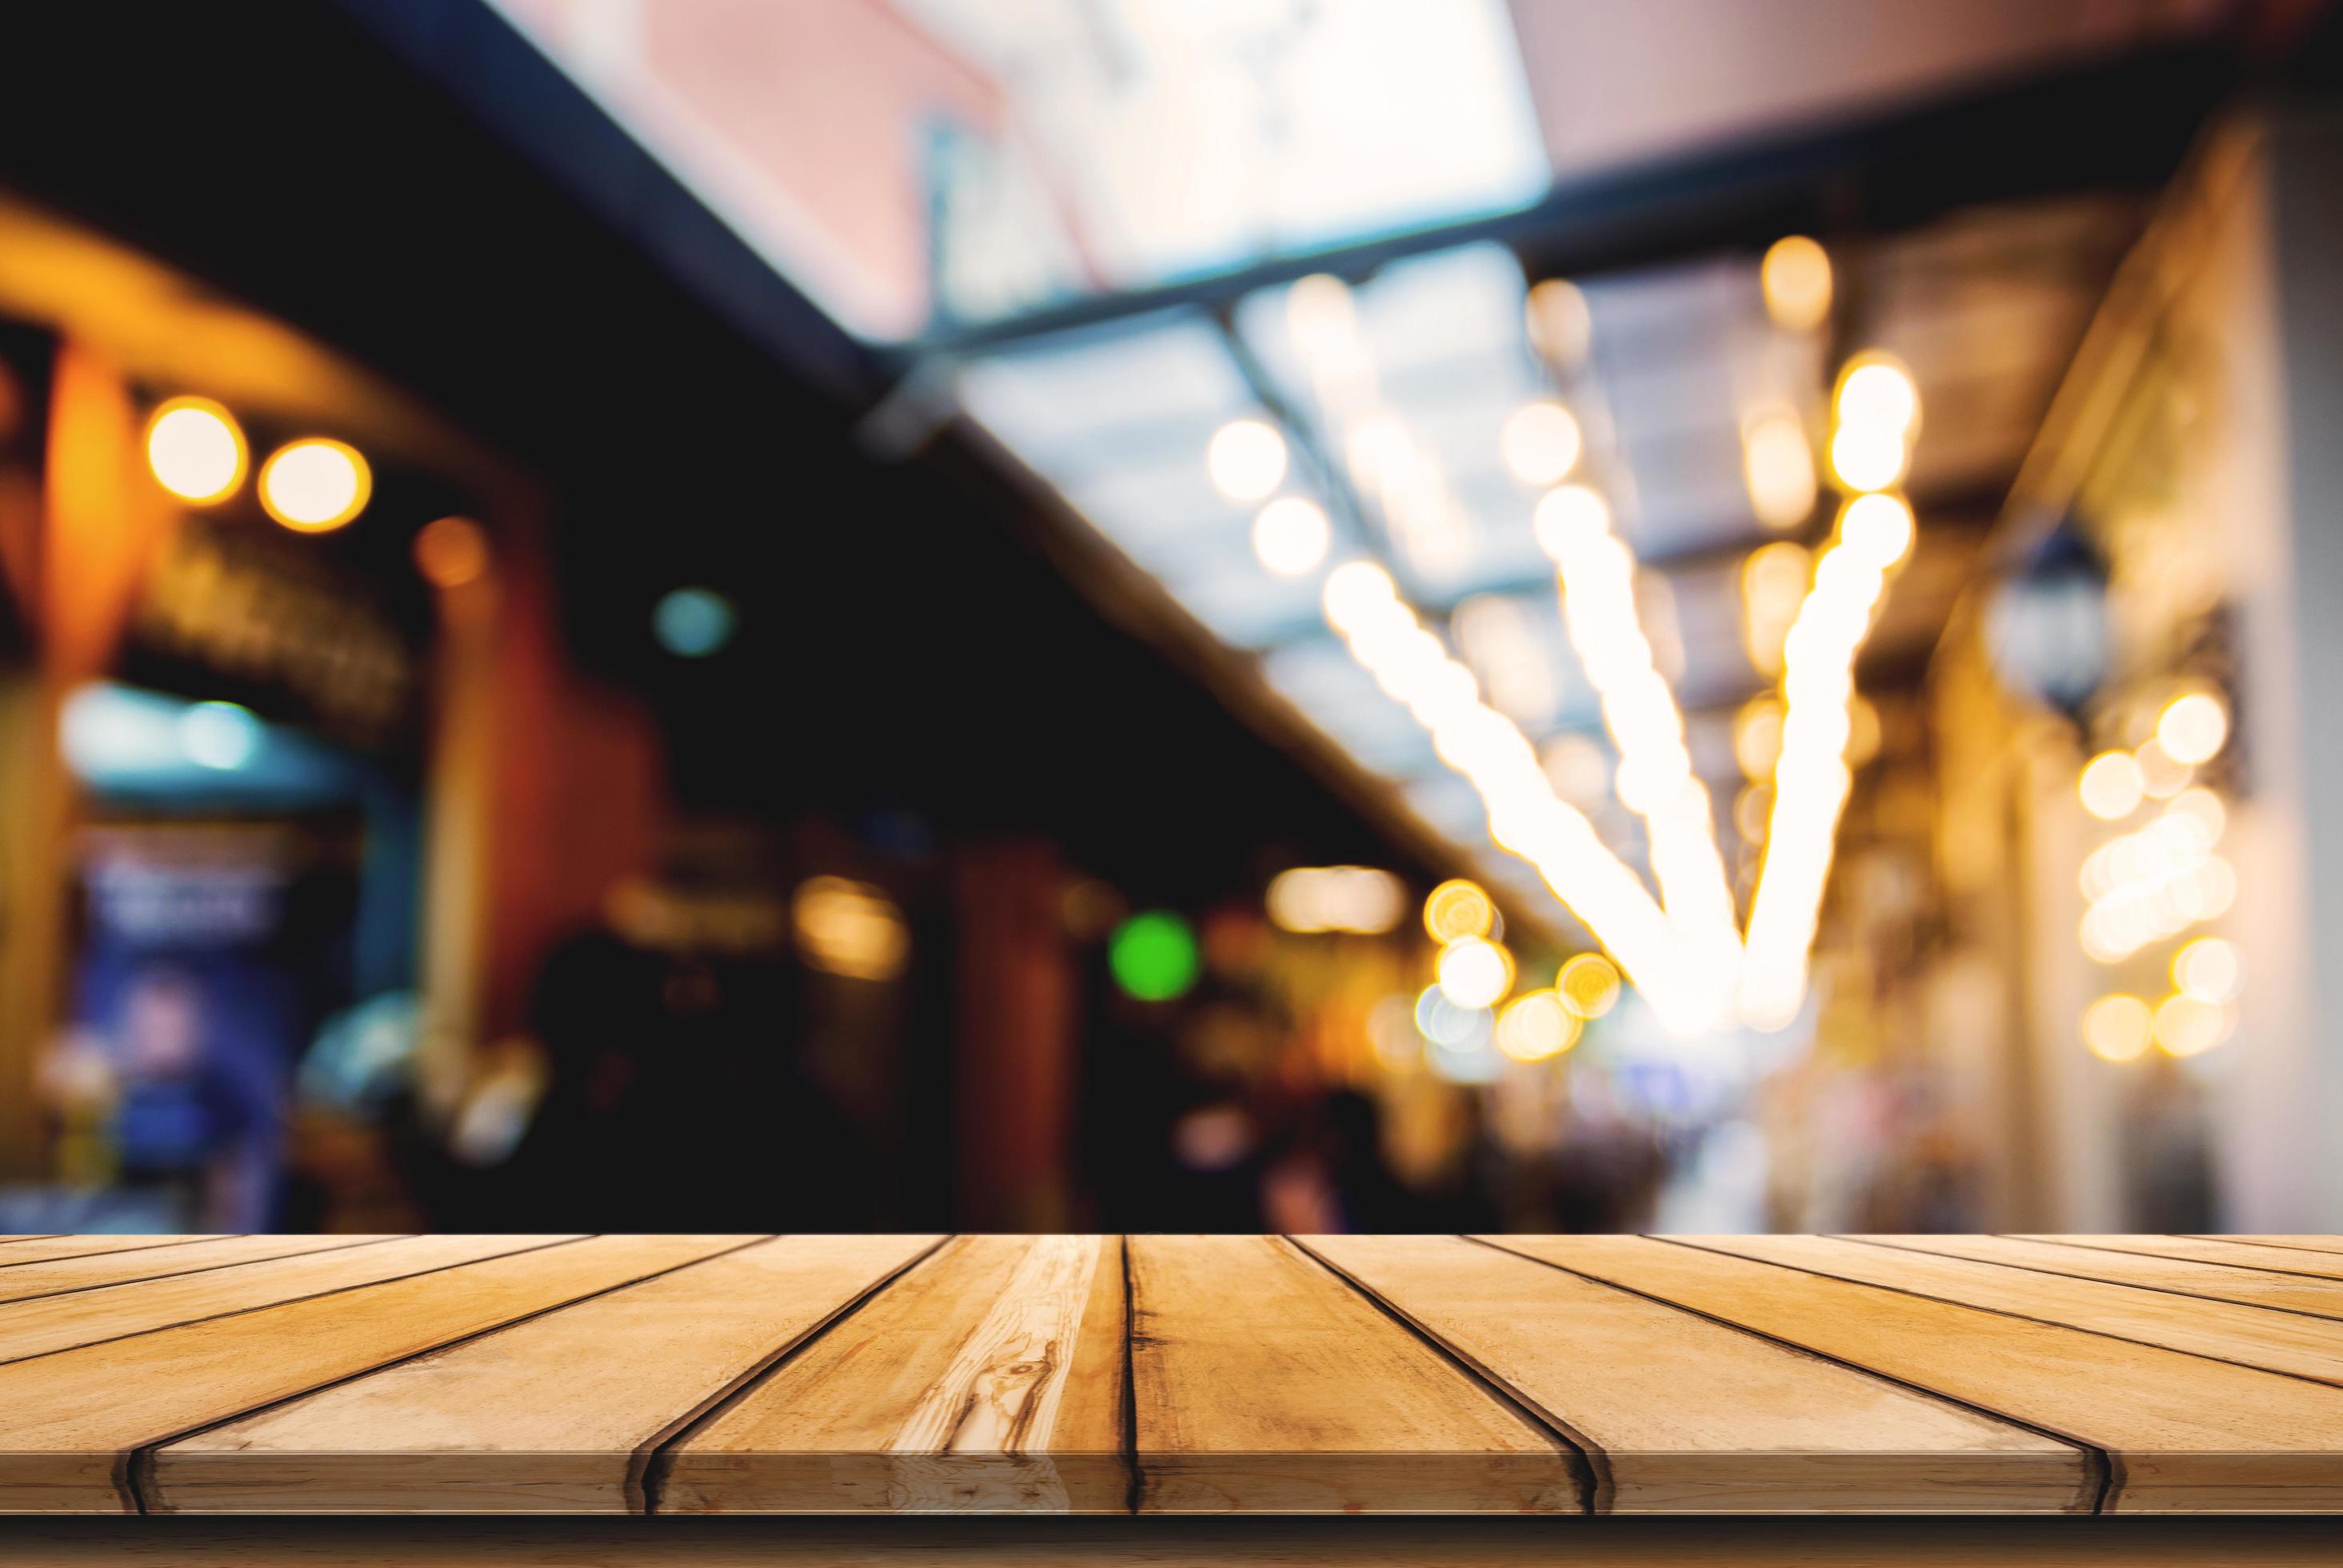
x=1220, y=615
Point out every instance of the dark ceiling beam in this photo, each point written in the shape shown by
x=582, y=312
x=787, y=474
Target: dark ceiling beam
x=2117, y=123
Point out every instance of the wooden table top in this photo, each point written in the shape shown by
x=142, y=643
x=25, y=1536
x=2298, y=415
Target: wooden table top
x=1178, y=1374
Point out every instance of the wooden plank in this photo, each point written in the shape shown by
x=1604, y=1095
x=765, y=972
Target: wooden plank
x=48, y=1324
x=558, y=1414
x=2211, y=1250
x=2251, y=1336
x=43, y=1248
x=988, y=1378
x=64, y=1274
x=71, y=1422
x=1261, y=1383
x=2181, y=1432
x=1680, y=1415
x=2214, y=1281
x=2292, y=1244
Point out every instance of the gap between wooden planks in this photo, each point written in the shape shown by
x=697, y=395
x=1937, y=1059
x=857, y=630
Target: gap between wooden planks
x=1168, y=1375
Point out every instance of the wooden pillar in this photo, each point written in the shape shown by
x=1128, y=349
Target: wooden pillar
x=1015, y=1056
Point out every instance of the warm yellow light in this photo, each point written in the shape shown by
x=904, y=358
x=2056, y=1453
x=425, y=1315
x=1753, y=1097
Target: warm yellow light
x=1290, y=534
x=1309, y=900
x=2188, y=1027
x=1474, y=972
x=315, y=484
x=1540, y=442
x=2207, y=970
x=1877, y=529
x=1560, y=325
x=2117, y=1027
x=194, y=449
x=1876, y=391
x=2161, y=774
x=1568, y=519
x=1867, y=456
x=451, y=552
x=1757, y=737
x=1537, y=1027
x=849, y=927
x=1457, y=909
x=2111, y=786
x=1796, y=277
x=1773, y=584
x=2193, y=728
x=1246, y=458
x=1588, y=984
x=1778, y=467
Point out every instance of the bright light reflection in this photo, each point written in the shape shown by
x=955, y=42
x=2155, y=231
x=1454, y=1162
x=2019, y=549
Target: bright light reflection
x=1291, y=536
x=1246, y=459
x=194, y=449
x=1541, y=443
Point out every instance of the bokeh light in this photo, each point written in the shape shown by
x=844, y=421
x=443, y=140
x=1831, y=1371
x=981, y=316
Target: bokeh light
x=693, y=622
x=1474, y=972
x=315, y=484
x=1867, y=456
x=1541, y=443
x=1536, y=1028
x=2188, y=1027
x=194, y=449
x=1588, y=984
x=451, y=552
x=1291, y=536
x=2193, y=728
x=1876, y=391
x=1246, y=458
x=2117, y=1027
x=2208, y=970
x=1458, y=908
x=1877, y=529
x=1796, y=277
x=1153, y=956
x=2111, y=787
x=1778, y=465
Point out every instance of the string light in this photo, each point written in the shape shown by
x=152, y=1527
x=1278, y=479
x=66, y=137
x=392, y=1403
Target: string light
x=1541, y=443
x=2111, y=787
x=1773, y=579
x=2193, y=728
x=1246, y=458
x=1778, y=467
x=1596, y=581
x=1811, y=775
x=1588, y=984
x=1877, y=408
x=1526, y=819
x=1796, y=277
x=2158, y=881
x=1291, y=536
x=315, y=485
x=2117, y=1027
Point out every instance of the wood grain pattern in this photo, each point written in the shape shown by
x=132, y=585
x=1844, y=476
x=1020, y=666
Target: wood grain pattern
x=2180, y=1433
x=1680, y=1415
x=48, y=1325
x=43, y=1248
x=60, y=1275
x=1261, y=1383
x=2211, y=1250
x=72, y=1422
x=988, y=1377
x=2252, y=1336
x=2291, y=1243
x=2214, y=1281
x=559, y=1413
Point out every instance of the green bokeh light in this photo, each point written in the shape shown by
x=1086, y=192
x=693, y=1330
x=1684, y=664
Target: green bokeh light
x=1153, y=956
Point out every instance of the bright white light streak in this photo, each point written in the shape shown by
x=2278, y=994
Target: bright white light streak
x=1811, y=778
x=1595, y=577
x=1525, y=817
